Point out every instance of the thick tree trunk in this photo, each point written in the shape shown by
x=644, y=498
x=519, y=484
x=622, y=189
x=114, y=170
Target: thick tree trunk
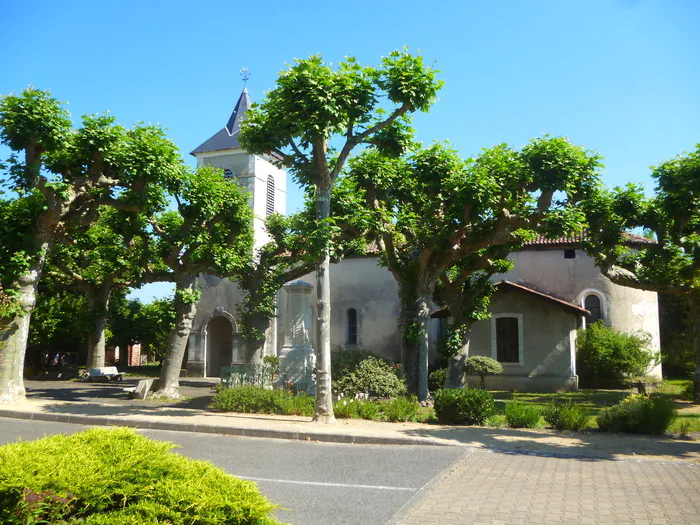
x=408, y=319
x=423, y=311
x=255, y=348
x=98, y=302
x=324, y=394
x=694, y=307
x=455, y=374
x=14, y=334
x=169, y=383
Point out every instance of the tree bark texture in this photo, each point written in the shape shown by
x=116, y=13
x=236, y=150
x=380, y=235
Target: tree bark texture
x=169, y=383
x=409, y=346
x=324, y=394
x=255, y=348
x=455, y=374
x=423, y=311
x=14, y=335
x=98, y=302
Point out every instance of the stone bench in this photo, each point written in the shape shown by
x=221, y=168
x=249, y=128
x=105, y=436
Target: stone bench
x=110, y=373
x=141, y=390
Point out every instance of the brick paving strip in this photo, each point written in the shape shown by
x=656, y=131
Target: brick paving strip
x=499, y=488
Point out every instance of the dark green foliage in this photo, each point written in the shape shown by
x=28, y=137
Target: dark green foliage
x=520, y=415
x=605, y=357
x=676, y=331
x=368, y=410
x=345, y=408
x=463, y=406
x=59, y=324
x=115, y=477
x=482, y=366
x=401, y=409
x=436, y=379
x=374, y=376
x=639, y=414
x=345, y=360
x=566, y=416
x=256, y=400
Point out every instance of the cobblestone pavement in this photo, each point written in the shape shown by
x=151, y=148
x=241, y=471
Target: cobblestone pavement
x=509, y=489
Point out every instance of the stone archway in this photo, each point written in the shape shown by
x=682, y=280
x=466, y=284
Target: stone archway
x=221, y=343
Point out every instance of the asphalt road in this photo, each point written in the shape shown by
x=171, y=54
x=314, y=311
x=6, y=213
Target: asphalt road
x=319, y=483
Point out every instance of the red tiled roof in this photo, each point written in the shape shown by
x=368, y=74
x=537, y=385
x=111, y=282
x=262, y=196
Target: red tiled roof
x=444, y=311
x=541, y=240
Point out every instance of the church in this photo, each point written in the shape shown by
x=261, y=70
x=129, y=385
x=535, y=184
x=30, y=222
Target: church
x=553, y=289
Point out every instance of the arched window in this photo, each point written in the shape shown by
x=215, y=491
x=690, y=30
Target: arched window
x=352, y=327
x=592, y=304
x=270, y=203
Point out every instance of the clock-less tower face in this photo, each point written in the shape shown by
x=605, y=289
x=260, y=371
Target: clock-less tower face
x=266, y=183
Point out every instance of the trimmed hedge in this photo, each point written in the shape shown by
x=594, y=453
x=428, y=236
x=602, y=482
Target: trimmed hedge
x=257, y=400
x=116, y=477
x=639, y=414
x=566, y=416
x=374, y=376
x=463, y=406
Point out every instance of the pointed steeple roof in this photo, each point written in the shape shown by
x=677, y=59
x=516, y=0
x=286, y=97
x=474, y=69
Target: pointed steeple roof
x=227, y=137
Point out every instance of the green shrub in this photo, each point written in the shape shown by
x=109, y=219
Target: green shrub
x=257, y=400
x=566, y=416
x=482, y=366
x=463, y=406
x=436, y=379
x=344, y=361
x=116, y=476
x=639, y=414
x=401, y=409
x=345, y=408
x=520, y=415
x=374, y=376
x=368, y=409
x=605, y=357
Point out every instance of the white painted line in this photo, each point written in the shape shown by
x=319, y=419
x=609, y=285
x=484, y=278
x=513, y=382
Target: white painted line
x=318, y=483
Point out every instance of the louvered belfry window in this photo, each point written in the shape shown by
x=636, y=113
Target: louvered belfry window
x=270, y=203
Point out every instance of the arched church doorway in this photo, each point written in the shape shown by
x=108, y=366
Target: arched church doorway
x=219, y=345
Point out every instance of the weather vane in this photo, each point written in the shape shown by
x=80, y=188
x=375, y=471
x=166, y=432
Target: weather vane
x=245, y=75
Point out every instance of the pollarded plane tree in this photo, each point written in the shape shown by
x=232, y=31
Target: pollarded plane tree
x=439, y=218
x=108, y=257
x=315, y=117
x=671, y=264
x=210, y=231
x=60, y=177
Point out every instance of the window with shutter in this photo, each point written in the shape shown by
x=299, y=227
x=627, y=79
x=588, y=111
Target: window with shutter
x=507, y=340
x=270, y=204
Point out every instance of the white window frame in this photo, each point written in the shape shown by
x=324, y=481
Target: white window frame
x=521, y=339
x=604, y=314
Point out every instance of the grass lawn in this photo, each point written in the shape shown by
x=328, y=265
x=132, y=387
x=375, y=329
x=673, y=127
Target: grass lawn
x=593, y=401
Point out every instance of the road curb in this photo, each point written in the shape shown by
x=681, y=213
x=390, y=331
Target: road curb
x=220, y=429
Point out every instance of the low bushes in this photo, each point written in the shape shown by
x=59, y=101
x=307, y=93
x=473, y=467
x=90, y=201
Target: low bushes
x=566, y=416
x=398, y=409
x=374, y=376
x=116, y=476
x=482, y=366
x=436, y=379
x=463, y=406
x=605, y=357
x=252, y=399
x=520, y=415
x=345, y=360
x=401, y=409
x=639, y=414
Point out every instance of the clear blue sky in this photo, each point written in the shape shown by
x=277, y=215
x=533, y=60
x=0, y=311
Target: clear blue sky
x=621, y=77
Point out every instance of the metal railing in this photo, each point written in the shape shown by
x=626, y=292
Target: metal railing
x=252, y=375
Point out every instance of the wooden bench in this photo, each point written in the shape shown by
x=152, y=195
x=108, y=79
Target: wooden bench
x=110, y=373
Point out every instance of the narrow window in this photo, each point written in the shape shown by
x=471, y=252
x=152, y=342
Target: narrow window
x=569, y=254
x=507, y=340
x=352, y=327
x=270, y=204
x=592, y=304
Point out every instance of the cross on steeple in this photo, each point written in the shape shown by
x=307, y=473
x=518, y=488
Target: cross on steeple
x=245, y=75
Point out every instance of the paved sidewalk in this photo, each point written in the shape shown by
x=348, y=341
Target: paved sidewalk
x=540, y=442
x=507, y=489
